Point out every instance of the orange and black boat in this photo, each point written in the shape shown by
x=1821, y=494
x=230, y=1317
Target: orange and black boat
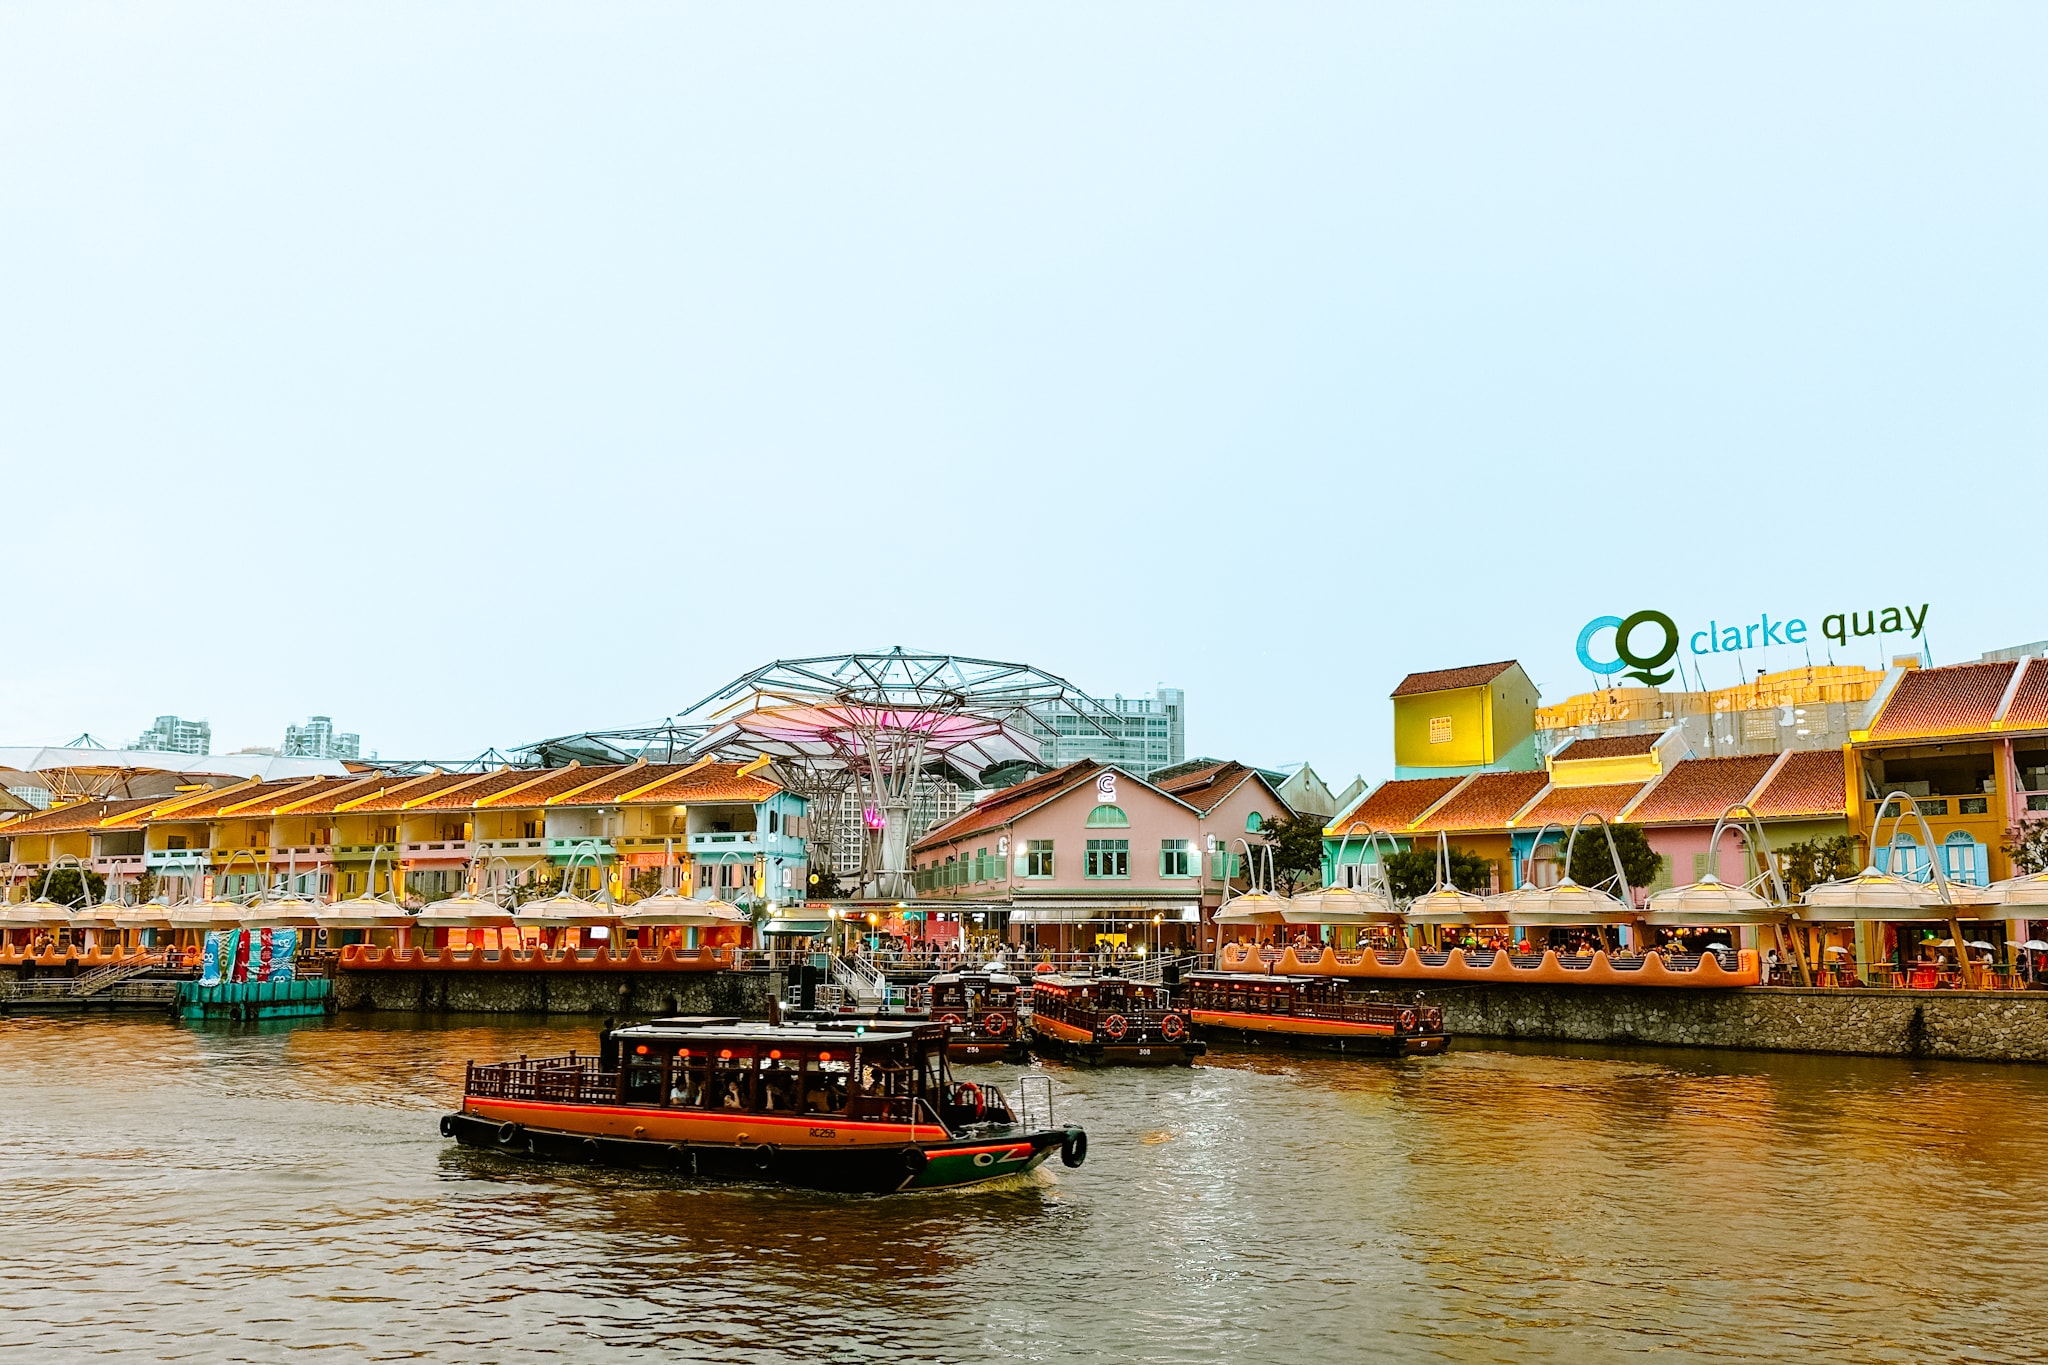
x=1310, y=1011
x=1111, y=1019
x=984, y=1010
x=833, y=1106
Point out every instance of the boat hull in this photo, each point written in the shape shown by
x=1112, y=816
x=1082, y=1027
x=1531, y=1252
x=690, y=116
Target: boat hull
x=988, y=1050
x=864, y=1167
x=1054, y=1039
x=1329, y=1035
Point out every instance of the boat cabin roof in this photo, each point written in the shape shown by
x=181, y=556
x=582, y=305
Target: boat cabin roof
x=822, y=1033
x=1249, y=980
x=975, y=979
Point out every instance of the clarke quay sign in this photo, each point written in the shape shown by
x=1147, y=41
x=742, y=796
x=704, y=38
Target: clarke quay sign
x=1662, y=634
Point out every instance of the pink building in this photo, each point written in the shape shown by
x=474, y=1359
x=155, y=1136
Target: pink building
x=1089, y=853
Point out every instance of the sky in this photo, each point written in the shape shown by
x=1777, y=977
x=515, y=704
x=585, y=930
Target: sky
x=473, y=373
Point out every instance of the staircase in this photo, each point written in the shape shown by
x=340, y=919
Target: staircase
x=863, y=982
x=99, y=978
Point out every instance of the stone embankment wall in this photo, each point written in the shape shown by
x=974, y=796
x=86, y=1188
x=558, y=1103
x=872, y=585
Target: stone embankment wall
x=1991, y=1026
x=597, y=993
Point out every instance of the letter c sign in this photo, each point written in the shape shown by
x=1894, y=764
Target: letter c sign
x=1643, y=667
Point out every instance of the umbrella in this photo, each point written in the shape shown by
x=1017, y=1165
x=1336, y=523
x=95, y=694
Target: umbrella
x=1448, y=905
x=463, y=910
x=1253, y=907
x=566, y=910
x=1838, y=948
x=211, y=914
x=2035, y=945
x=1885, y=896
x=286, y=912
x=1567, y=903
x=1980, y=943
x=1711, y=901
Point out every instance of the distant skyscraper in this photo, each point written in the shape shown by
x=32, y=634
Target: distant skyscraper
x=1137, y=734
x=171, y=735
x=317, y=739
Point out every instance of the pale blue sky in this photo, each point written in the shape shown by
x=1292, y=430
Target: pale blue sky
x=473, y=373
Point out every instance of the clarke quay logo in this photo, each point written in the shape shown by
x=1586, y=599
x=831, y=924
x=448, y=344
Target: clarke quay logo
x=1661, y=633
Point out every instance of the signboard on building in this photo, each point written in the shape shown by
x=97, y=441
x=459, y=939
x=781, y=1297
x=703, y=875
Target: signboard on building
x=1643, y=646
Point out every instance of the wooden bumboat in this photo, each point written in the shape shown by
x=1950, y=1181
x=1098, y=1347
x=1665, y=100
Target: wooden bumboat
x=1113, y=1020
x=984, y=1011
x=1310, y=1011
x=834, y=1106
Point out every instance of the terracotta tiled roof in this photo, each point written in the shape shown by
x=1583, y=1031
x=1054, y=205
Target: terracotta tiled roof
x=81, y=815
x=554, y=783
x=1958, y=699
x=1011, y=802
x=1702, y=788
x=333, y=791
x=2029, y=709
x=1488, y=803
x=263, y=798
x=464, y=797
x=1611, y=746
x=1204, y=787
x=1445, y=679
x=1810, y=783
x=712, y=782
x=1395, y=805
x=1566, y=804
x=397, y=792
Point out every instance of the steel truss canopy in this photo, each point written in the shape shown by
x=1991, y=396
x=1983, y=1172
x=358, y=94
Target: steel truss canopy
x=901, y=710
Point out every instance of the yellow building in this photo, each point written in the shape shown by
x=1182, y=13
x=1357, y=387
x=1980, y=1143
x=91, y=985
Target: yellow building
x=1453, y=721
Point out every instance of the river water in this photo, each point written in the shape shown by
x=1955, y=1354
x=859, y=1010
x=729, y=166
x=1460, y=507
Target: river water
x=259, y=1192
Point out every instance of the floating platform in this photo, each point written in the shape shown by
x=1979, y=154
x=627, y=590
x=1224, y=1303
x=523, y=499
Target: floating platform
x=1494, y=967
x=245, y=1000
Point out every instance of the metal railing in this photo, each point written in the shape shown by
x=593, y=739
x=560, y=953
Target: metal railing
x=574, y=1079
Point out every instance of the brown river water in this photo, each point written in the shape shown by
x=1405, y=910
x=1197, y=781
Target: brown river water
x=281, y=1191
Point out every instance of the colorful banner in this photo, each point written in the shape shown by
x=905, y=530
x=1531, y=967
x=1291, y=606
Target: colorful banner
x=216, y=960
x=244, y=955
x=274, y=954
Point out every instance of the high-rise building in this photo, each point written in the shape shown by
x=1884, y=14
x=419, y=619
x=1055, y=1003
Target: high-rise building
x=174, y=735
x=1137, y=734
x=317, y=738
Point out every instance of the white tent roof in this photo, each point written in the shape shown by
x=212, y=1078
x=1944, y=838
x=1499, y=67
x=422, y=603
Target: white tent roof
x=269, y=767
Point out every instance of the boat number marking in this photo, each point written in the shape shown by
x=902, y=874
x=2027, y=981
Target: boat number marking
x=1144, y=1052
x=825, y=1132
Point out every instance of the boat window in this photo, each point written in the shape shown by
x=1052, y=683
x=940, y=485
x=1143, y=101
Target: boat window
x=825, y=1083
x=691, y=1081
x=643, y=1075
x=781, y=1082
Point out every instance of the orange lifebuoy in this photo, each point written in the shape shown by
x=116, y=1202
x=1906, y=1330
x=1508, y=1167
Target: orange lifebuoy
x=1173, y=1028
x=952, y=1020
x=1407, y=1021
x=968, y=1096
x=1115, y=1027
x=995, y=1024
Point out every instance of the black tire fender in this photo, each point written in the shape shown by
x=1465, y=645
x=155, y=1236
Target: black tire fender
x=508, y=1133
x=915, y=1159
x=447, y=1125
x=764, y=1157
x=593, y=1150
x=1074, y=1150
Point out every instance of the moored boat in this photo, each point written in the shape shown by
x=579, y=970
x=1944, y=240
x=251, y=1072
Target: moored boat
x=1311, y=1011
x=1111, y=1019
x=839, y=1105
x=985, y=1012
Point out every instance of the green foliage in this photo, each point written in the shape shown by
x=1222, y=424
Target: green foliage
x=1813, y=861
x=62, y=886
x=537, y=887
x=1593, y=862
x=1297, y=844
x=1414, y=873
x=2027, y=845
x=146, y=887
x=646, y=882
x=824, y=885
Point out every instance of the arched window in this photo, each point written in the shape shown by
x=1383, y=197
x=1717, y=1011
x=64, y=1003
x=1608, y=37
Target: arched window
x=1908, y=859
x=1964, y=860
x=1108, y=817
x=1254, y=822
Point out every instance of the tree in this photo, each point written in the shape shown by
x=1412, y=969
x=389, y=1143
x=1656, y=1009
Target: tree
x=61, y=884
x=1414, y=873
x=646, y=882
x=1810, y=862
x=1297, y=844
x=540, y=887
x=1592, y=863
x=824, y=884
x=2027, y=845
x=146, y=887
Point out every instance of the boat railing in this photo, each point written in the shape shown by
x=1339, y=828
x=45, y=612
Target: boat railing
x=1034, y=1101
x=1153, y=968
x=572, y=1079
